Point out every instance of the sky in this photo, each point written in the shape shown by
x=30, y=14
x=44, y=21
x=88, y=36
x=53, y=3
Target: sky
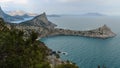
x=109, y=7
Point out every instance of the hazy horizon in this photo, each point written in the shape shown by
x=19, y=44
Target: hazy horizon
x=107, y=7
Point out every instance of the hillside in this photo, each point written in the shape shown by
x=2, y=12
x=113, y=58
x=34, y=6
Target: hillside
x=45, y=28
x=16, y=51
x=40, y=21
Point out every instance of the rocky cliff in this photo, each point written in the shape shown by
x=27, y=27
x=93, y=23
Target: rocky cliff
x=101, y=32
x=41, y=25
x=39, y=21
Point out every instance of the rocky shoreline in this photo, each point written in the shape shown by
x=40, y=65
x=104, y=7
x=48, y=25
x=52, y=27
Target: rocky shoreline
x=101, y=32
x=45, y=28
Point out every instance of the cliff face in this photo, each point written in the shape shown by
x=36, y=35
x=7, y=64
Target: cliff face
x=41, y=25
x=102, y=32
x=7, y=17
x=39, y=21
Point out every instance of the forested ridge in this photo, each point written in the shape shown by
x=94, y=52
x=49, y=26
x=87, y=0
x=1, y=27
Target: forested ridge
x=17, y=51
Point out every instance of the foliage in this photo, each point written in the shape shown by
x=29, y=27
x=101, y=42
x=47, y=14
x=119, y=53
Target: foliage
x=67, y=65
x=15, y=52
x=18, y=52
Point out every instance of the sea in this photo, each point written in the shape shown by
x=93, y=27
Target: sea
x=87, y=52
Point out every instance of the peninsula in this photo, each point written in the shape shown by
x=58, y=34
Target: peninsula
x=45, y=28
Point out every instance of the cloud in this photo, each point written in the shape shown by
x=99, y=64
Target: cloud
x=68, y=0
x=1, y=1
x=63, y=6
x=14, y=1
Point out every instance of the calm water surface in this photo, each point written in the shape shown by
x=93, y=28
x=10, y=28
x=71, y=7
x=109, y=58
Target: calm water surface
x=87, y=52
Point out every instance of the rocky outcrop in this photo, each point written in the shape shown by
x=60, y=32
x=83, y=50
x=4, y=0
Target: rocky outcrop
x=44, y=28
x=102, y=32
x=39, y=21
x=7, y=17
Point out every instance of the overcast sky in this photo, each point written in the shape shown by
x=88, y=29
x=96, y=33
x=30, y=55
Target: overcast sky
x=110, y=7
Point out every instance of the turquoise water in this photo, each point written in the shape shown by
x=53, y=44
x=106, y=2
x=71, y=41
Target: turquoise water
x=87, y=52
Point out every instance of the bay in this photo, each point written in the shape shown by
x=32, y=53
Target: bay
x=87, y=52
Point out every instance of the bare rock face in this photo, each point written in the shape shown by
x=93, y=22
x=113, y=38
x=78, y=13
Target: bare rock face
x=102, y=32
x=106, y=31
x=45, y=28
x=39, y=21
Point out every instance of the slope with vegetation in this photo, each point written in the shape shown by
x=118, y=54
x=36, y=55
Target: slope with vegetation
x=15, y=52
x=18, y=52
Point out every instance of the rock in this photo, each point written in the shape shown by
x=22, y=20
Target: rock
x=44, y=28
x=40, y=21
x=102, y=32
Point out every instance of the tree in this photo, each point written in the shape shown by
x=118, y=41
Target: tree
x=68, y=65
x=98, y=66
x=16, y=52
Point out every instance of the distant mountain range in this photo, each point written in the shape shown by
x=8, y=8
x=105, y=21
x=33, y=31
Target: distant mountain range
x=20, y=13
x=93, y=14
x=45, y=28
x=15, y=15
x=53, y=15
x=7, y=17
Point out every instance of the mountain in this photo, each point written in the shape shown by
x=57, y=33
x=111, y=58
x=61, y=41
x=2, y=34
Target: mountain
x=45, y=28
x=23, y=16
x=93, y=14
x=20, y=13
x=7, y=17
x=40, y=20
x=53, y=15
x=101, y=32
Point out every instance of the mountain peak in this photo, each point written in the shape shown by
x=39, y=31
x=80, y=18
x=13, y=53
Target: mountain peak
x=44, y=13
x=105, y=31
x=43, y=18
x=40, y=20
x=105, y=27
